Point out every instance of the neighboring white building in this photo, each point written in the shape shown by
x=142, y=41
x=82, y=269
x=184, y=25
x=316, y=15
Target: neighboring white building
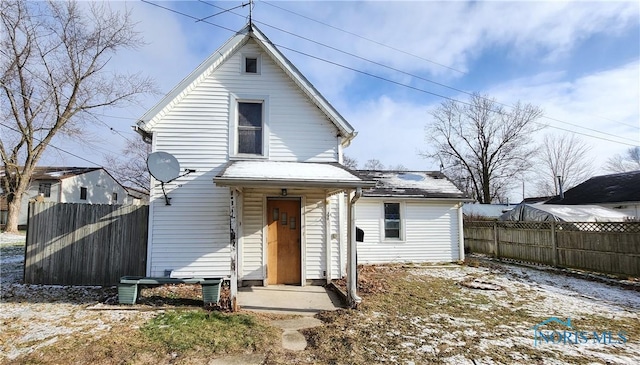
x=268, y=201
x=410, y=216
x=90, y=185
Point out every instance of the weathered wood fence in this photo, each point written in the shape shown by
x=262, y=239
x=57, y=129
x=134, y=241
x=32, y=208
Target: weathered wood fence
x=602, y=247
x=85, y=244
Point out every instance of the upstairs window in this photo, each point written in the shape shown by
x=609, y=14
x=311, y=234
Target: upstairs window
x=114, y=197
x=44, y=189
x=251, y=64
x=392, y=221
x=250, y=128
x=83, y=193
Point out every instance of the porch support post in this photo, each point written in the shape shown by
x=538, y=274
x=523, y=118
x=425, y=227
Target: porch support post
x=352, y=259
x=327, y=229
x=461, y=231
x=233, y=225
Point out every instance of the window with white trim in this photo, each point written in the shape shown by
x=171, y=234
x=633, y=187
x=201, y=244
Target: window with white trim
x=83, y=193
x=250, y=128
x=251, y=64
x=392, y=222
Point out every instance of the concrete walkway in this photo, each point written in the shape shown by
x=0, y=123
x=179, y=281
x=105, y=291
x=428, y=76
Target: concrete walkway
x=288, y=299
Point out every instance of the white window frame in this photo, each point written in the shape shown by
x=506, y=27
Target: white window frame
x=402, y=210
x=233, y=125
x=243, y=64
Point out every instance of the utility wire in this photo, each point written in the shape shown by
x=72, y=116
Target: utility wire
x=415, y=76
x=53, y=146
x=365, y=38
x=446, y=97
x=401, y=51
x=386, y=79
x=431, y=81
x=31, y=100
x=222, y=12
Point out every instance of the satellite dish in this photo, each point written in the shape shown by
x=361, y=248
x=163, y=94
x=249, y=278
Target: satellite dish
x=163, y=166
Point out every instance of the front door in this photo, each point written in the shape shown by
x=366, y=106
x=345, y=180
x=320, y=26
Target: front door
x=283, y=242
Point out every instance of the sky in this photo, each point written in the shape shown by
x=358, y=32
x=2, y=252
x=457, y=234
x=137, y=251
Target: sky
x=578, y=61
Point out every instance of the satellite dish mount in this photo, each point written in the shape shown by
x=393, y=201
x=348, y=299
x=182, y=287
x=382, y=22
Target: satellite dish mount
x=165, y=168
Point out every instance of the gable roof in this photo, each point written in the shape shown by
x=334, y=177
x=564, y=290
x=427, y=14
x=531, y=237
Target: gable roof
x=217, y=58
x=411, y=184
x=614, y=188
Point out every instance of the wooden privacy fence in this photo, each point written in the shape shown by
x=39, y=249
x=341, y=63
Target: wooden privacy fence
x=85, y=244
x=602, y=247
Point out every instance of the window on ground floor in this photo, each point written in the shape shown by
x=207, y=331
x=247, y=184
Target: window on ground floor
x=392, y=221
x=44, y=189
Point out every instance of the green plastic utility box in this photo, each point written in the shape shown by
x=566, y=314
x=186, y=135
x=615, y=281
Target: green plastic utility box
x=129, y=287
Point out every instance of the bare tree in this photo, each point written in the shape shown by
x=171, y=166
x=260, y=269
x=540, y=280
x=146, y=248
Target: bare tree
x=486, y=144
x=373, y=164
x=350, y=162
x=398, y=167
x=562, y=155
x=130, y=169
x=53, y=76
x=629, y=161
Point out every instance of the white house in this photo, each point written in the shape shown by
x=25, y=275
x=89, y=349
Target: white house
x=410, y=216
x=269, y=201
x=90, y=185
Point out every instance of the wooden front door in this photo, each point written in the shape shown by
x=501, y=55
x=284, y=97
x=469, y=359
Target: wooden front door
x=283, y=242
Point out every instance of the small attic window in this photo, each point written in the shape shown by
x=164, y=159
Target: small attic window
x=251, y=64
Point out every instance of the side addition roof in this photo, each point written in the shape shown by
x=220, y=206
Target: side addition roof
x=615, y=188
x=153, y=115
x=411, y=184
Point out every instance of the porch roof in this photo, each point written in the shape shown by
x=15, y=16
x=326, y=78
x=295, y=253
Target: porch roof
x=289, y=175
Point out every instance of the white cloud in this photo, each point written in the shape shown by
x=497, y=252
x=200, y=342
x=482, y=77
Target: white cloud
x=391, y=131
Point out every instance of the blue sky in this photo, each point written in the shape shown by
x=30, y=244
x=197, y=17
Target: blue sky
x=579, y=61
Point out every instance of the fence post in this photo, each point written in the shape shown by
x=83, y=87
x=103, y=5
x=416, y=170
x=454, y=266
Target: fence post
x=554, y=244
x=495, y=240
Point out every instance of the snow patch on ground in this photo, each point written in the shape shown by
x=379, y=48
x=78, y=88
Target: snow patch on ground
x=35, y=316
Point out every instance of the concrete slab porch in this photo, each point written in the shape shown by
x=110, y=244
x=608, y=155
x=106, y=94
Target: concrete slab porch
x=288, y=299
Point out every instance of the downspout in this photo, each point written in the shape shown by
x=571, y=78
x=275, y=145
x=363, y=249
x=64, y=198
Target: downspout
x=461, y=231
x=352, y=261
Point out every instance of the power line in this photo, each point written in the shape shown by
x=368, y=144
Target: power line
x=431, y=81
x=53, y=146
x=407, y=53
x=415, y=76
x=446, y=97
x=403, y=84
x=365, y=38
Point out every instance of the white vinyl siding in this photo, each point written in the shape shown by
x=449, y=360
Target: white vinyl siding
x=316, y=254
x=192, y=234
x=251, y=249
x=431, y=232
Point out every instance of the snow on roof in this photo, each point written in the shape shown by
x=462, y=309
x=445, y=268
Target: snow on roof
x=424, y=184
x=486, y=210
x=299, y=173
